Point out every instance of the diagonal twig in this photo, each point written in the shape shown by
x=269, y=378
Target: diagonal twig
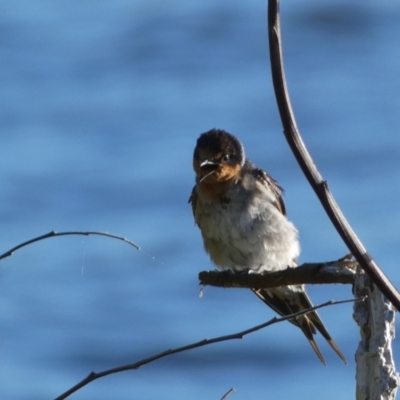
x=10, y=252
x=306, y=163
x=239, y=335
x=228, y=393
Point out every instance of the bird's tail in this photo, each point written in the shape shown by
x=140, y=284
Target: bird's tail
x=292, y=299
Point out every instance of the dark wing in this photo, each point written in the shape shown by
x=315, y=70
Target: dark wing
x=193, y=200
x=298, y=300
x=284, y=303
x=272, y=185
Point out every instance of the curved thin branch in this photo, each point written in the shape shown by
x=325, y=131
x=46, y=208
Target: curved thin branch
x=306, y=163
x=239, y=335
x=10, y=252
x=309, y=273
x=228, y=393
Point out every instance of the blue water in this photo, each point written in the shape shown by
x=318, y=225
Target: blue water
x=101, y=104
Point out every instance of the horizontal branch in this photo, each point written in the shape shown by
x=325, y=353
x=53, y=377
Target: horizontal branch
x=311, y=273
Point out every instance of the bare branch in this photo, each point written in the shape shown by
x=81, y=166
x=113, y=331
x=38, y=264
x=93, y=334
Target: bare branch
x=228, y=393
x=9, y=253
x=306, y=163
x=309, y=273
x=96, y=375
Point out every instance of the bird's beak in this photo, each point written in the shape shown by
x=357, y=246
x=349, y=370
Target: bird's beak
x=208, y=163
x=208, y=168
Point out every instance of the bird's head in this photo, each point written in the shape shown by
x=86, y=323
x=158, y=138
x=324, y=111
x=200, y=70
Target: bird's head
x=218, y=157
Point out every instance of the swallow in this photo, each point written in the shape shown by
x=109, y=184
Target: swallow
x=242, y=218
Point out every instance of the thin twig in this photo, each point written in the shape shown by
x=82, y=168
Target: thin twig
x=96, y=375
x=309, y=273
x=228, y=393
x=9, y=253
x=306, y=163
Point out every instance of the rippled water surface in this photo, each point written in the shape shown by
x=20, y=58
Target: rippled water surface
x=101, y=105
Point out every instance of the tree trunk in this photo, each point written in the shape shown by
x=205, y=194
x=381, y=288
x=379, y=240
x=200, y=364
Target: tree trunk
x=376, y=376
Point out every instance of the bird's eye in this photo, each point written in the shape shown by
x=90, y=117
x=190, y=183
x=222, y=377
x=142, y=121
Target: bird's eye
x=226, y=158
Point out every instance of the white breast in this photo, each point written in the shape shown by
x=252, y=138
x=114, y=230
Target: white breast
x=248, y=232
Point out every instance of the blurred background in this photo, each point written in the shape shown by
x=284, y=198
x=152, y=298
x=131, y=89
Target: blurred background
x=101, y=106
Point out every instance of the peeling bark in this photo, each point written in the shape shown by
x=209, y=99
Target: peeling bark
x=376, y=376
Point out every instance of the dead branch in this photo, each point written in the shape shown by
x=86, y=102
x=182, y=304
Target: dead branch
x=309, y=273
x=228, y=393
x=10, y=252
x=96, y=375
x=376, y=375
x=308, y=167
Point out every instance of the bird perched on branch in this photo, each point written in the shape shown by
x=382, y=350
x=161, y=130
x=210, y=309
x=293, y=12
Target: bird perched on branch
x=241, y=214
